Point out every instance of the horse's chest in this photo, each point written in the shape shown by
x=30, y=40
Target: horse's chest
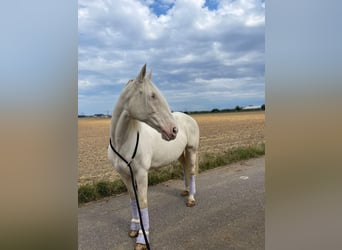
x=167, y=152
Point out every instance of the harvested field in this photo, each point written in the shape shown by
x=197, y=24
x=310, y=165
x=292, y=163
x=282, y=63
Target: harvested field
x=218, y=132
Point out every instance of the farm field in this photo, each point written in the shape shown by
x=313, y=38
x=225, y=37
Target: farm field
x=218, y=132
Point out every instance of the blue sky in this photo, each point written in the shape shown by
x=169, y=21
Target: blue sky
x=203, y=54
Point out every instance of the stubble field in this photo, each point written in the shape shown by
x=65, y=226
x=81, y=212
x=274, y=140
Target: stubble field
x=218, y=132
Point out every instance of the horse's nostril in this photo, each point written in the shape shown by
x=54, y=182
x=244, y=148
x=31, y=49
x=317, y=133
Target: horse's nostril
x=175, y=130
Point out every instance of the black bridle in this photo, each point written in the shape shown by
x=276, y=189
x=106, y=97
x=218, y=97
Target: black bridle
x=134, y=184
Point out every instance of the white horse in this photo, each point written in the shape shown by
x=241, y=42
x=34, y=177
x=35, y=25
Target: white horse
x=164, y=137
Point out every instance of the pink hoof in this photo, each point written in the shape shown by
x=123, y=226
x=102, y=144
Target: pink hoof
x=190, y=203
x=133, y=233
x=139, y=246
x=185, y=193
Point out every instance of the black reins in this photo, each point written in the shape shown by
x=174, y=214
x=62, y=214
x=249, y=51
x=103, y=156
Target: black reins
x=121, y=157
x=134, y=184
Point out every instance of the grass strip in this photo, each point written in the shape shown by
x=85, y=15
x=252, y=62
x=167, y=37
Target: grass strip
x=101, y=189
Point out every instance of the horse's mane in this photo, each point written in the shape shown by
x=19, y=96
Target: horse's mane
x=129, y=81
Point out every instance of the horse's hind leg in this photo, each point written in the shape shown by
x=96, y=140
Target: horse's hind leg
x=190, y=168
x=182, y=160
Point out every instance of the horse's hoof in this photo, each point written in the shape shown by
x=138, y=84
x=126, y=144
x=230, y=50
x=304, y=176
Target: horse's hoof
x=139, y=246
x=133, y=233
x=190, y=203
x=185, y=193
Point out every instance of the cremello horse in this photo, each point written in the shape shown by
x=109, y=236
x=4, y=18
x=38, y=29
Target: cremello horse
x=164, y=137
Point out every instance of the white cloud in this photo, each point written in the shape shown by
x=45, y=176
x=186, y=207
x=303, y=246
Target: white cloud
x=255, y=20
x=186, y=43
x=84, y=84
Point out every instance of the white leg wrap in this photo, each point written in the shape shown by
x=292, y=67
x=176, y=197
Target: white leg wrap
x=192, y=185
x=135, y=222
x=146, y=223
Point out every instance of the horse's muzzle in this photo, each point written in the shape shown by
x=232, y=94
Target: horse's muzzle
x=174, y=133
x=169, y=135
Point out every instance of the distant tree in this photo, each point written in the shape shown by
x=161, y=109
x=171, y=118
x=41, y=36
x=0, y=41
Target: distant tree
x=238, y=108
x=215, y=110
x=263, y=107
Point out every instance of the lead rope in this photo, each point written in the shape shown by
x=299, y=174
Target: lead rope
x=134, y=184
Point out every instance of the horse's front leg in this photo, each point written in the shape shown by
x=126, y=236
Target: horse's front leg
x=135, y=221
x=142, y=183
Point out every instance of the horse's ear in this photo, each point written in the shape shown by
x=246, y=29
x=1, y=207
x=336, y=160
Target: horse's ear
x=149, y=75
x=142, y=74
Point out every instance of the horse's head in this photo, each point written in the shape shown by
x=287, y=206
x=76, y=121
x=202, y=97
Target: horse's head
x=147, y=104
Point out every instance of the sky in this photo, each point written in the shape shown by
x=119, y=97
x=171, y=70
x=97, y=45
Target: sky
x=203, y=54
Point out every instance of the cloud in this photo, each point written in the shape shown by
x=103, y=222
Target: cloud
x=192, y=46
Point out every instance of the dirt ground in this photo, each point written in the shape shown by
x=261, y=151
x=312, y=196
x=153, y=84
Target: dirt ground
x=218, y=132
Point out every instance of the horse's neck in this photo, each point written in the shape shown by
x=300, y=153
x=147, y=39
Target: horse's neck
x=122, y=126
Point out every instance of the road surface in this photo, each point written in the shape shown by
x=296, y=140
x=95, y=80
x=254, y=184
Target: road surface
x=229, y=214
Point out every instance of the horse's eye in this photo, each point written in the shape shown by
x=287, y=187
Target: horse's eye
x=153, y=95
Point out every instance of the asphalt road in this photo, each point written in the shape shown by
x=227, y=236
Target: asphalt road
x=229, y=214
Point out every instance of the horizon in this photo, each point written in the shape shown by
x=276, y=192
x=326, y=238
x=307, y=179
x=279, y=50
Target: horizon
x=213, y=110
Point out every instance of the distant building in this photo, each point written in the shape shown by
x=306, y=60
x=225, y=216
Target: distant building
x=252, y=107
x=101, y=116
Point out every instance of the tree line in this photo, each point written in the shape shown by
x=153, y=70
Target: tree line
x=215, y=110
